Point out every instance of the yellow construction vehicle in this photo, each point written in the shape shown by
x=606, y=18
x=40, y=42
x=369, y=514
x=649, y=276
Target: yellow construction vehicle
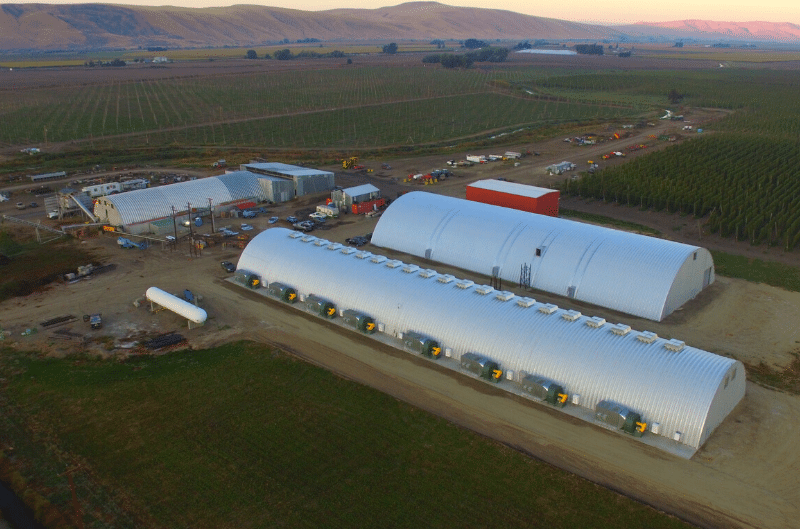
x=348, y=163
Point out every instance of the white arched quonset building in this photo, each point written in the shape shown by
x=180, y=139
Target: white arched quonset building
x=686, y=391
x=631, y=273
x=150, y=210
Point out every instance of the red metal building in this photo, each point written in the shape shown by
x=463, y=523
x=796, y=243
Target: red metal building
x=516, y=196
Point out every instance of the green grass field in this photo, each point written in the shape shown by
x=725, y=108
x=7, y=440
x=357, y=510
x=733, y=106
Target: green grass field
x=243, y=436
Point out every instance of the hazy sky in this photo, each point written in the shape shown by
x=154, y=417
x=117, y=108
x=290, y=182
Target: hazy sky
x=603, y=11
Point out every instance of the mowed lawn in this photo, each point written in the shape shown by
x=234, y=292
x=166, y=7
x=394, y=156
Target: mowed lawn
x=244, y=436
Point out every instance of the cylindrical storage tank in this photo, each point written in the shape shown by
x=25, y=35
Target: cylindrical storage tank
x=177, y=305
x=320, y=307
x=283, y=292
x=359, y=321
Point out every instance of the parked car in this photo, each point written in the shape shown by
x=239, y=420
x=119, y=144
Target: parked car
x=20, y=205
x=34, y=205
x=246, y=227
x=306, y=226
x=357, y=241
x=318, y=217
x=228, y=266
x=273, y=220
x=291, y=219
x=249, y=214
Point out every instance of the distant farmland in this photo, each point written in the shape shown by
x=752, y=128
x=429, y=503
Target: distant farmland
x=326, y=107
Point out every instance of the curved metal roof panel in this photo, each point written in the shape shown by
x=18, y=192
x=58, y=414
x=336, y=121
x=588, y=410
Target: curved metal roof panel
x=624, y=271
x=685, y=390
x=143, y=205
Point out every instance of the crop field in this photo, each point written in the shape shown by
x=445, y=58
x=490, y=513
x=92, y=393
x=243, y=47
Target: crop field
x=379, y=125
x=79, y=113
x=242, y=436
x=742, y=179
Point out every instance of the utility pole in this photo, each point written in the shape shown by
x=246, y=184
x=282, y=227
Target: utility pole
x=211, y=211
x=174, y=227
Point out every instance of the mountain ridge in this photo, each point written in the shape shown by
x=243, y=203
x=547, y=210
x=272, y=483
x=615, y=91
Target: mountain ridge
x=48, y=27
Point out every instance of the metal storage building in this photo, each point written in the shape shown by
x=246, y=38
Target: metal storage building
x=345, y=198
x=683, y=393
x=306, y=181
x=143, y=210
x=517, y=196
x=631, y=273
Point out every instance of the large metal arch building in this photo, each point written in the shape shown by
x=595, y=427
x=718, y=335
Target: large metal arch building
x=682, y=388
x=639, y=275
x=136, y=210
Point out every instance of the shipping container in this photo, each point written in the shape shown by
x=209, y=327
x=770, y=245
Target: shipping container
x=361, y=208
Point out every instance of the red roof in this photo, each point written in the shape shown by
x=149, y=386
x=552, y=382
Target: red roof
x=246, y=205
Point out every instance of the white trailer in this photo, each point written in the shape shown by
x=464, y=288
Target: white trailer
x=101, y=190
x=329, y=210
x=476, y=158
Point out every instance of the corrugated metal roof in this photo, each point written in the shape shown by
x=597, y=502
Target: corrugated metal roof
x=363, y=189
x=632, y=273
x=142, y=205
x=512, y=188
x=689, y=391
x=289, y=170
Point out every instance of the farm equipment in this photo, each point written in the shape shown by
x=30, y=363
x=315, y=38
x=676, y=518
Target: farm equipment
x=127, y=243
x=95, y=321
x=350, y=163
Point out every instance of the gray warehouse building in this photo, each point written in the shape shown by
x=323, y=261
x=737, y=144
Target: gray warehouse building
x=679, y=394
x=306, y=181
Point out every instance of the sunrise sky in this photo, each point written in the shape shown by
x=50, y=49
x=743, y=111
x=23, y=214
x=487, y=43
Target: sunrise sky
x=600, y=11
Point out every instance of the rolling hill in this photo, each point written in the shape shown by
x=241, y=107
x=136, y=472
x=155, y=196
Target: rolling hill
x=50, y=27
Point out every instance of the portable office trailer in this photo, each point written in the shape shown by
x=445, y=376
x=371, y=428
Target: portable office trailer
x=681, y=388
